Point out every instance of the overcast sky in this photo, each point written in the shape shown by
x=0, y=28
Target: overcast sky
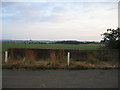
x=82, y=21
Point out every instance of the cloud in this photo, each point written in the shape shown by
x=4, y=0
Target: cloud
x=59, y=9
x=52, y=18
x=65, y=20
x=8, y=4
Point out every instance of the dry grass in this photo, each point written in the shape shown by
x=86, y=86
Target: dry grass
x=29, y=62
x=92, y=60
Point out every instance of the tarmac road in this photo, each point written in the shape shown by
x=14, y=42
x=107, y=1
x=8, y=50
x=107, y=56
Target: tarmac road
x=60, y=79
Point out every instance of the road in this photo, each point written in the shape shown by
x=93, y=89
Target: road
x=60, y=79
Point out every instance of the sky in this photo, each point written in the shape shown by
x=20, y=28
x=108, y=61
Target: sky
x=84, y=21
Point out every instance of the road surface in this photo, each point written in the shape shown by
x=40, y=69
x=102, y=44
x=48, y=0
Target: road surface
x=60, y=79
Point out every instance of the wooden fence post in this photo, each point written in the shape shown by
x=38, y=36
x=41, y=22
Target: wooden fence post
x=6, y=56
x=68, y=62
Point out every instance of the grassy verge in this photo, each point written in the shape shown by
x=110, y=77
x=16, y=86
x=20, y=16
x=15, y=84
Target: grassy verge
x=90, y=62
x=52, y=65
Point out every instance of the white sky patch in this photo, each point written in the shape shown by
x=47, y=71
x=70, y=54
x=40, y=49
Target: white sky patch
x=55, y=21
x=60, y=0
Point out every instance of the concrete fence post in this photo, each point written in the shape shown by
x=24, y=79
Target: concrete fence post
x=68, y=62
x=6, y=56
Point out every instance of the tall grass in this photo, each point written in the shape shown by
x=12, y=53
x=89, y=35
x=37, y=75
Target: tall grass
x=56, y=58
x=53, y=63
x=92, y=60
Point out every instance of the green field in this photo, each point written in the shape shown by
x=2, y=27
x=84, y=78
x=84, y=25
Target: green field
x=6, y=46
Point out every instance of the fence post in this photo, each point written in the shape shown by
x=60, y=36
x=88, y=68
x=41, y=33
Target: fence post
x=68, y=62
x=6, y=56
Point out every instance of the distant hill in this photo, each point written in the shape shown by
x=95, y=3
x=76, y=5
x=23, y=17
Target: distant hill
x=76, y=42
x=50, y=42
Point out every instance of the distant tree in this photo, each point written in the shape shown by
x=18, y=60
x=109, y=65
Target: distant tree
x=112, y=38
